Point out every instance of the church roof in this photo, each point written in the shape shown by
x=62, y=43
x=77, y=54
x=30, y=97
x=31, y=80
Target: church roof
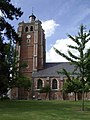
x=51, y=69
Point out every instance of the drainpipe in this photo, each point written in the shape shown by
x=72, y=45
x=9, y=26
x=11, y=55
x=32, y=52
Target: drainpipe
x=50, y=88
x=32, y=86
x=63, y=94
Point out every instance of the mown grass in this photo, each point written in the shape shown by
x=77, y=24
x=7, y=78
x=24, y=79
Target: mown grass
x=43, y=110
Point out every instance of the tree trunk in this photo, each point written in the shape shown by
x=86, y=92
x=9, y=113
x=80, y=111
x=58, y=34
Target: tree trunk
x=75, y=96
x=83, y=100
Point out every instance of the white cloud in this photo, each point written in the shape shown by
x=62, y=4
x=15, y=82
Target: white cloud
x=52, y=56
x=49, y=26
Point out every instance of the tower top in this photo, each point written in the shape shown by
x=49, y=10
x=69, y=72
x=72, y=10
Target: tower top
x=32, y=17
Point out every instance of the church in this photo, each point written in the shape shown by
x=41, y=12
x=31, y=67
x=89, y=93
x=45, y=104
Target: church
x=32, y=50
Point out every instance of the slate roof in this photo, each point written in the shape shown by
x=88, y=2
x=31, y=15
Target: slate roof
x=51, y=69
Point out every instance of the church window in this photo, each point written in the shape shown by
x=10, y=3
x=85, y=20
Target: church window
x=54, y=84
x=39, y=84
x=26, y=29
x=31, y=28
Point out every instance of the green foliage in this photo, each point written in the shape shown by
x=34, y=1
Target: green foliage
x=45, y=89
x=81, y=61
x=23, y=82
x=4, y=84
x=17, y=79
x=7, y=51
x=9, y=12
x=87, y=67
x=4, y=79
x=74, y=85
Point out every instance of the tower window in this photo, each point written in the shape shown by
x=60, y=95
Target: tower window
x=39, y=84
x=28, y=40
x=31, y=28
x=26, y=29
x=54, y=84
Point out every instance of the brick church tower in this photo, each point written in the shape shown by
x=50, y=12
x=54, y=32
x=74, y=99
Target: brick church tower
x=32, y=46
x=31, y=50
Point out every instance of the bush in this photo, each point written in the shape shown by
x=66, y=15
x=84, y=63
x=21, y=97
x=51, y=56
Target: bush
x=5, y=98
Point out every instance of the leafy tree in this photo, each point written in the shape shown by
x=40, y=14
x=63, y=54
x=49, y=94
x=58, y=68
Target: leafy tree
x=79, y=61
x=10, y=12
x=73, y=86
x=17, y=79
x=88, y=67
x=11, y=76
x=46, y=89
x=23, y=82
x=7, y=32
x=4, y=79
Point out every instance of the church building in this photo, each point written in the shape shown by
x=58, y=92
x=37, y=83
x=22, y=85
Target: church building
x=32, y=50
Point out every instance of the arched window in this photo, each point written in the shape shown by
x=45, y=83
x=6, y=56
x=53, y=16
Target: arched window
x=31, y=28
x=26, y=29
x=39, y=84
x=54, y=84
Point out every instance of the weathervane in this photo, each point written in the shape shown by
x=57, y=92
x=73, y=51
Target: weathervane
x=32, y=10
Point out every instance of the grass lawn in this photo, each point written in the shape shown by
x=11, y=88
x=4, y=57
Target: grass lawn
x=43, y=110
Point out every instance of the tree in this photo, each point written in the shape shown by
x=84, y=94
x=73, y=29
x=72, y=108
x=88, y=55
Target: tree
x=73, y=86
x=9, y=12
x=10, y=75
x=23, y=82
x=79, y=61
x=4, y=79
x=46, y=89
x=16, y=78
x=88, y=66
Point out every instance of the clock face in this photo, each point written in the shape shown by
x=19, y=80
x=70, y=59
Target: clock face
x=28, y=36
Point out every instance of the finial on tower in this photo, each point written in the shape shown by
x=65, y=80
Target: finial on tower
x=32, y=17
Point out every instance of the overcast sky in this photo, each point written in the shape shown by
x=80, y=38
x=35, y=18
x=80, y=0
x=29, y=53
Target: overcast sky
x=59, y=18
